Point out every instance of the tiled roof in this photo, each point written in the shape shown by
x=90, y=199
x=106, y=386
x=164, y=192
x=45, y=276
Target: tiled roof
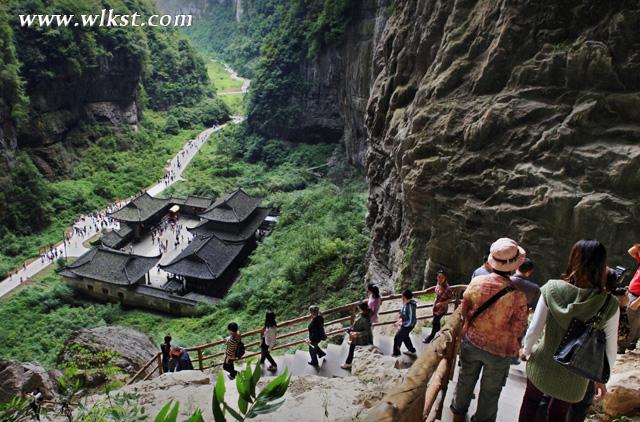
x=115, y=238
x=204, y=258
x=234, y=207
x=110, y=266
x=141, y=209
x=233, y=232
x=198, y=202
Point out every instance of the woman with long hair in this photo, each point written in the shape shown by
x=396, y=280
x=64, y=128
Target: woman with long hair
x=579, y=294
x=269, y=333
x=441, y=304
x=373, y=302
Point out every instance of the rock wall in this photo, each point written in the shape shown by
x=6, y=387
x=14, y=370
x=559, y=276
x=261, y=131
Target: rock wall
x=490, y=119
x=336, y=85
x=107, y=93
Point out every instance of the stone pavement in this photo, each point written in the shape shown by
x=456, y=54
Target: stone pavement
x=74, y=247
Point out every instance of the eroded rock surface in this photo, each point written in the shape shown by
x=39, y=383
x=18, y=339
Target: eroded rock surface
x=17, y=379
x=623, y=397
x=132, y=349
x=490, y=119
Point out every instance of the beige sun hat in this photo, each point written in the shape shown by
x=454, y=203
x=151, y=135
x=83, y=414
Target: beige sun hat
x=505, y=255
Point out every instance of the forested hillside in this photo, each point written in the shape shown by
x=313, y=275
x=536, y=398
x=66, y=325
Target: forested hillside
x=80, y=108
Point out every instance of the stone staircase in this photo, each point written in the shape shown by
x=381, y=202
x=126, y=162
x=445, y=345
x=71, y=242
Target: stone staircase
x=510, y=399
x=337, y=354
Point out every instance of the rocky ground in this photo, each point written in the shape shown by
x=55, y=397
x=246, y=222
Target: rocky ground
x=309, y=398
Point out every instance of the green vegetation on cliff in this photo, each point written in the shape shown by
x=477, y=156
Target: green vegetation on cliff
x=119, y=162
x=304, y=31
x=49, y=78
x=315, y=253
x=171, y=72
x=237, y=43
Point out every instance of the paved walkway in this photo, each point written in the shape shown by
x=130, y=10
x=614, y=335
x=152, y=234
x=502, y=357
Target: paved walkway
x=234, y=75
x=74, y=247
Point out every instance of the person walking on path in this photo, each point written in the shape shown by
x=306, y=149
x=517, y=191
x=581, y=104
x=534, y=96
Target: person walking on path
x=165, y=349
x=373, y=302
x=181, y=359
x=633, y=308
x=483, y=269
x=578, y=411
x=495, y=318
x=269, y=334
x=230, y=354
x=360, y=334
x=405, y=324
x=316, y=335
x=522, y=281
x=580, y=294
x=441, y=305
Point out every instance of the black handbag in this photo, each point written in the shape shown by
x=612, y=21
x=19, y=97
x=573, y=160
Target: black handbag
x=583, y=349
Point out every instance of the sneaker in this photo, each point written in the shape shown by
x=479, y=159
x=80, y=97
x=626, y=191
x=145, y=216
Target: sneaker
x=395, y=355
x=427, y=340
x=345, y=366
x=410, y=353
x=272, y=368
x=315, y=365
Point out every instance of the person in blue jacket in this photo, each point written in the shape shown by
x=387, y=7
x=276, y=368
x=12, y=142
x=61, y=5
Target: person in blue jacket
x=406, y=323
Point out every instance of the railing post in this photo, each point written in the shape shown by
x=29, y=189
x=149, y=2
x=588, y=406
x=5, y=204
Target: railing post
x=200, y=359
x=159, y=359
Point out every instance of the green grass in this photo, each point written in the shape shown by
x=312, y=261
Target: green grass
x=314, y=255
x=235, y=102
x=220, y=78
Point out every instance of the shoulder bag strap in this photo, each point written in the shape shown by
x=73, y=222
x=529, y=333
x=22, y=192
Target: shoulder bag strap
x=597, y=318
x=493, y=299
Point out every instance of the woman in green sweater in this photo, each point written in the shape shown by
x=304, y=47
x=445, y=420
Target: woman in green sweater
x=580, y=294
x=360, y=334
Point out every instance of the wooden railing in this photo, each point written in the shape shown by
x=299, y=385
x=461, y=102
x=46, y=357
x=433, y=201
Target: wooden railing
x=420, y=397
x=207, y=358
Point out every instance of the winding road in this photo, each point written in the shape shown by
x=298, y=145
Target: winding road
x=74, y=247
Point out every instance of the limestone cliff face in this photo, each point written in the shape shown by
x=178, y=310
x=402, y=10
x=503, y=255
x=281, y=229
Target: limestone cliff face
x=336, y=83
x=107, y=93
x=490, y=119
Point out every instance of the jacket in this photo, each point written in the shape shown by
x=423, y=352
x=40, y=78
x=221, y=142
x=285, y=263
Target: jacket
x=362, y=327
x=408, y=314
x=498, y=329
x=565, y=302
x=316, y=329
x=270, y=336
x=232, y=346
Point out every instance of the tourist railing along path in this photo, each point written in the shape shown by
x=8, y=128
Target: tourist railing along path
x=206, y=358
x=420, y=397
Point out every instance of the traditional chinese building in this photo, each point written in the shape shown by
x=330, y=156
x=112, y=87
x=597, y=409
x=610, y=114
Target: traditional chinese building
x=234, y=217
x=143, y=212
x=120, y=277
x=209, y=265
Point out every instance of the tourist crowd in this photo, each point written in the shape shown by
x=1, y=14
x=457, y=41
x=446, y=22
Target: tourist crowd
x=507, y=318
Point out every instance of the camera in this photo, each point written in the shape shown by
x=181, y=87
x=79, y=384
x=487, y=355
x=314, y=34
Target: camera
x=615, y=280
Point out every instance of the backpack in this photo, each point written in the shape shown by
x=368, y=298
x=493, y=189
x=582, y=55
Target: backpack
x=240, y=349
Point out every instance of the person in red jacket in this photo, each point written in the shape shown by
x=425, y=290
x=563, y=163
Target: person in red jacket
x=633, y=308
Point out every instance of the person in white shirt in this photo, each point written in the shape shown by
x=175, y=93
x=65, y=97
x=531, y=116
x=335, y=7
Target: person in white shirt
x=269, y=334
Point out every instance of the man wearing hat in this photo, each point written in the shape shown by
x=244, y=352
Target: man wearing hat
x=495, y=318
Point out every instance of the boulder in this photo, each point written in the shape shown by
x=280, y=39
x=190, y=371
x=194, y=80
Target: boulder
x=17, y=378
x=623, y=397
x=131, y=349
